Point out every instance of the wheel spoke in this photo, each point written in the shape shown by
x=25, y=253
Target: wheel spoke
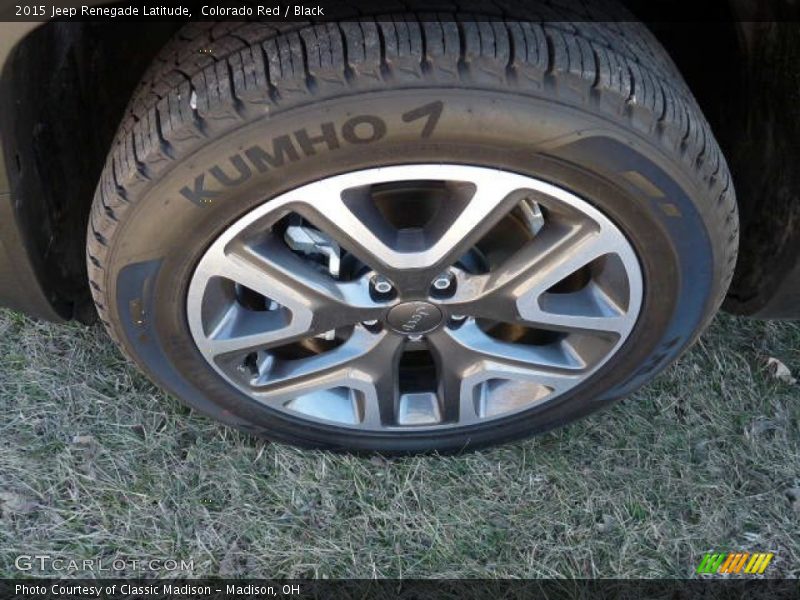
x=517, y=289
x=360, y=363
x=273, y=262
x=550, y=360
x=493, y=199
x=332, y=206
x=451, y=367
x=312, y=303
x=383, y=364
x=561, y=258
x=469, y=356
x=612, y=319
x=221, y=346
x=324, y=206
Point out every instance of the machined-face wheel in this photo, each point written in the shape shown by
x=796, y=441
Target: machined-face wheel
x=414, y=297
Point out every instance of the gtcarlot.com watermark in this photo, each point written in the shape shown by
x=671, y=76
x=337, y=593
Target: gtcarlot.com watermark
x=56, y=564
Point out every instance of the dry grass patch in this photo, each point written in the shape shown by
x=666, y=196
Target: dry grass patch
x=95, y=462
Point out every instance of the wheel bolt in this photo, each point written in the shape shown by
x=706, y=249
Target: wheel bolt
x=443, y=281
x=415, y=337
x=458, y=317
x=370, y=322
x=381, y=284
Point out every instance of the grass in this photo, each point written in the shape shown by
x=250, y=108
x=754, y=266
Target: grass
x=95, y=462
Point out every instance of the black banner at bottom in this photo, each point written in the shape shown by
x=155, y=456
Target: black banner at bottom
x=385, y=589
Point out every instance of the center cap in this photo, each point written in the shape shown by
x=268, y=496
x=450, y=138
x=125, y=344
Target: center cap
x=414, y=317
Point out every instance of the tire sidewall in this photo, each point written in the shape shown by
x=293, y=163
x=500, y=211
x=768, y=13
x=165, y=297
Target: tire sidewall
x=660, y=208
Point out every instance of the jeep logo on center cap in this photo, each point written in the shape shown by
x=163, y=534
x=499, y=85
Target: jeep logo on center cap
x=414, y=317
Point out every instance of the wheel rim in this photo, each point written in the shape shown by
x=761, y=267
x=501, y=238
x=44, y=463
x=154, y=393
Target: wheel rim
x=414, y=297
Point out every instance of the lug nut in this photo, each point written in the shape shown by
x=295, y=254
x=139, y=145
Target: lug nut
x=381, y=284
x=443, y=281
x=370, y=322
x=415, y=337
x=458, y=317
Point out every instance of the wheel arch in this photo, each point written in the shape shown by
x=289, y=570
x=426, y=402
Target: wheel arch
x=63, y=91
x=746, y=85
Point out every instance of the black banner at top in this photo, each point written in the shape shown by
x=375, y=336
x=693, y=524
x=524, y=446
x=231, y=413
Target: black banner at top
x=327, y=10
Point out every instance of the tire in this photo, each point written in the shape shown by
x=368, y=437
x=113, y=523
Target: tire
x=597, y=110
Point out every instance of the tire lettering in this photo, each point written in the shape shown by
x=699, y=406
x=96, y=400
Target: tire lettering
x=328, y=137
x=282, y=149
x=432, y=111
x=199, y=195
x=376, y=125
x=241, y=166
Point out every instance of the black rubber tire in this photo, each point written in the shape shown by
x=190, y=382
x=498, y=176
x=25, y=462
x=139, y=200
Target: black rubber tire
x=597, y=108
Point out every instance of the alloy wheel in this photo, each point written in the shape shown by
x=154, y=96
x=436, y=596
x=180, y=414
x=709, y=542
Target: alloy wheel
x=414, y=297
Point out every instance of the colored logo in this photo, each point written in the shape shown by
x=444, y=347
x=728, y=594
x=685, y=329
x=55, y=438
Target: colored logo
x=735, y=562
